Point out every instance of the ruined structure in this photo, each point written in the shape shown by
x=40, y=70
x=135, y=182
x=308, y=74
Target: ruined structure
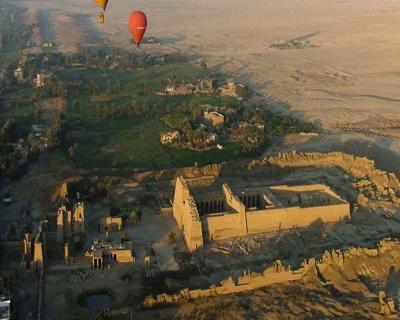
x=110, y=224
x=205, y=215
x=71, y=223
x=374, y=185
x=34, y=249
x=336, y=267
x=39, y=248
x=106, y=252
x=387, y=306
x=66, y=254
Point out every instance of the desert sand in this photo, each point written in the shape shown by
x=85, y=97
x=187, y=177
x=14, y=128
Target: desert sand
x=350, y=73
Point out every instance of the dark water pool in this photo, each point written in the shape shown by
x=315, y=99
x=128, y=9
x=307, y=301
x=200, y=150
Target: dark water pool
x=98, y=301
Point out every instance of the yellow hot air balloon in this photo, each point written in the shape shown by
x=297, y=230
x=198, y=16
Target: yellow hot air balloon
x=103, y=5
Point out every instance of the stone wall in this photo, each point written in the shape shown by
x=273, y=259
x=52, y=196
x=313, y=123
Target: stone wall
x=186, y=215
x=294, y=217
x=235, y=203
x=123, y=256
x=221, y=226
x=325, y=269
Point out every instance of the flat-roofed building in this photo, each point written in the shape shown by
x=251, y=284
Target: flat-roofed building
x=216, y=119
x=110, y=224
x=103, y=252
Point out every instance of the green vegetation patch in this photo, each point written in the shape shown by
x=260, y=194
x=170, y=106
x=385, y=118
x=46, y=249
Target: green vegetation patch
x=119, y=121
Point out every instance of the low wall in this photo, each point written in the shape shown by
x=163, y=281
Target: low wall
x=385, y=255
x=383, y=184
x=247, y=282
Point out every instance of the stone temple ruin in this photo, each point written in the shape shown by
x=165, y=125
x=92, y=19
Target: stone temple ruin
x=206, y=215
x=70, y=223
x=103, y=253
x=362, y=262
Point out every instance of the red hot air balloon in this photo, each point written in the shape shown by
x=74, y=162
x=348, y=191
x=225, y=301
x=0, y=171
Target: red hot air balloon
x=138, y=25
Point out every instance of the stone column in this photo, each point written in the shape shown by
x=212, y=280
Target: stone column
x=66, y=254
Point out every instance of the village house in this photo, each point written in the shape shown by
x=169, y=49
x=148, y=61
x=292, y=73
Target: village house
x=41, y=79
x=48, y=45
x=179, y=89
x=170, y=137
x=37, y=130
x=206, y=86
x=233, y=89
x=214, y=118
x=211, y=138
x=19, y=74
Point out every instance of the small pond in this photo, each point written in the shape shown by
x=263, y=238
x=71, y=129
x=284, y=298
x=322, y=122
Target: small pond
x=99, y=301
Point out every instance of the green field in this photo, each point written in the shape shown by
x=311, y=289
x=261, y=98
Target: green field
x=133, y=143
x=19, y=105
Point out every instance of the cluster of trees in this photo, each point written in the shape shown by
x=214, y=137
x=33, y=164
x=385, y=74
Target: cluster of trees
x=277, y=124
x=119, y=58
x=12, y=161
x=64, y=89
x=191, y=108
x=134, y=110
x=7, y=79
x=9, y=132
x=92, y=188
x=248, y=125
x=56, y=133
x=15, y=153
x=249, y=136
x=13, y=33
x=260, y=123
x=196, y=138
x=192, y=134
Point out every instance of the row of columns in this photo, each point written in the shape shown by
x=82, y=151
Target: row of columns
x=207, y=207
x=98, y=261
x=251, y=201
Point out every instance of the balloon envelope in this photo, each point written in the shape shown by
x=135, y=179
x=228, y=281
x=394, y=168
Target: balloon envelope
x=101, y=3
x=138, y=25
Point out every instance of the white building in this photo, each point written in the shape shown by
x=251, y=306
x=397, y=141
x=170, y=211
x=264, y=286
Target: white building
x=5, y=307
